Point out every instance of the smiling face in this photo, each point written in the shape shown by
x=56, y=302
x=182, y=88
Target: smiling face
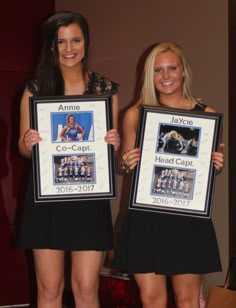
x=71, y=47
x=71, y=120
x=168, y=74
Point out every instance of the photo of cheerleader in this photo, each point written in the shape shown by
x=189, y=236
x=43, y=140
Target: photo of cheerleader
x=72, y=131
x=72, y=127
x=178, y=140
x=74, y=169
x=178, y=183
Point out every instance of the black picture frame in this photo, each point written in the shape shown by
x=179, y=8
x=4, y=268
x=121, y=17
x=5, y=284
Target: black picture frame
x=175, y=173
x=72, y=162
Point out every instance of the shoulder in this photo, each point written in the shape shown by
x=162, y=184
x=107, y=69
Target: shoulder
x=209, y=109
x=32, y=86
x=132, y=114
x=200, y=106
x=133, y=111
x=99, y=84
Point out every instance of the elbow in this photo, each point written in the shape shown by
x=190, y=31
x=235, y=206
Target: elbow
x=22, y=150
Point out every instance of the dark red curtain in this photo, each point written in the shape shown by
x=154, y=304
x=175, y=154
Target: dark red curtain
x=20, y=26
x=232, y=112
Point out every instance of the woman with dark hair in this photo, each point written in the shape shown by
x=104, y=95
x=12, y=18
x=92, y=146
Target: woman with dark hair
x=154, y=246
x=85, y=229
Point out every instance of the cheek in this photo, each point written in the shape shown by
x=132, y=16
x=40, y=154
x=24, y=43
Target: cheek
x=83, y=51
x=181, y=80
x=156, y=82
x=180, y=76
x=59, y=52
x=82, y=48
x=156, y=79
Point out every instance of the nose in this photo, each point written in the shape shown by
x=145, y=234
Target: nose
x=68, y=46
x=165, y=74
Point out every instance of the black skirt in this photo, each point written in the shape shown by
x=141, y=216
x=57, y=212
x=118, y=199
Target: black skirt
x=166, y=244
x=70, y=225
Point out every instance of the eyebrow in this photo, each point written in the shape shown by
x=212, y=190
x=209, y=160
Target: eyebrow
x=75, y=37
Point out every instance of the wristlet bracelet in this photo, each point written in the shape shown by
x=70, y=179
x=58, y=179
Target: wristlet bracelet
x=124, y=168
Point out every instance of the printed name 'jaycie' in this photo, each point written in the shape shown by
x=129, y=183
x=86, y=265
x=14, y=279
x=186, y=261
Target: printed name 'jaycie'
x=181, y=121
x=176, y=161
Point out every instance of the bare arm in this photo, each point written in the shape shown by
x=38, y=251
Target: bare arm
x=115, y=109
x=112, y=136
x=81, y=130
x=217, y=157
x=130, y=155
x=61, y=135
x=28, y=137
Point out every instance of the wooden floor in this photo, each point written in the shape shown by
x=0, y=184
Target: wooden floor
x=33, y=306
x=16, y=306
x=30, y=306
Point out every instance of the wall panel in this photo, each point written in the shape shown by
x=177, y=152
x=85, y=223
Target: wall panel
x=120, y=33
x=20, y=40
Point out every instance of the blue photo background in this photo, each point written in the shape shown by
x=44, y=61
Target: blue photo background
x=84, y=119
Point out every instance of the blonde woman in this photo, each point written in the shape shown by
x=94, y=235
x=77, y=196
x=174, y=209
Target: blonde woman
x=153, y=246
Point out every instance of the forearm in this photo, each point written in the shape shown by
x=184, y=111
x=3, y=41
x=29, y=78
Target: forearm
x=63, y=138
x=23, y=150
x=82, y=132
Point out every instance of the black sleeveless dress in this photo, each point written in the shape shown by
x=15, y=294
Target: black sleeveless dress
x=167, y=244
x=83, y=225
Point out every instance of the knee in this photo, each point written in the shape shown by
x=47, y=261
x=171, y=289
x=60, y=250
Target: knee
x=84, y=290
x=187, y=299
x=151, y=298
x=52, y=292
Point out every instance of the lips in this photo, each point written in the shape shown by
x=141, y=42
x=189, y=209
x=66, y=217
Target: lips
x=69, y=56
x=167, y=83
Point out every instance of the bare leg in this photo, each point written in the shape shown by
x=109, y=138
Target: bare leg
x=187, y=290
x=85, y=278
x=152, y=289
x=49, y=267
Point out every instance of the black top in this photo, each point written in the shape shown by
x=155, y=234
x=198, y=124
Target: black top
x=97, y=84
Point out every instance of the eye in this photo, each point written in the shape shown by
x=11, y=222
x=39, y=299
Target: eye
x=172, y=68
x=77, y=40
x=59, y=42
x=157, y=70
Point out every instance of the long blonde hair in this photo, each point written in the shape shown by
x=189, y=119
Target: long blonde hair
x=149, y=94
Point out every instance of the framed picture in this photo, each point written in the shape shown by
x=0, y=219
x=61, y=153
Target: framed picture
x=72, y=162
x=175, y=174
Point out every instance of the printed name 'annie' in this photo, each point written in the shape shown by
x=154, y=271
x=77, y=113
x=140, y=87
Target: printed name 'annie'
x=68, y=108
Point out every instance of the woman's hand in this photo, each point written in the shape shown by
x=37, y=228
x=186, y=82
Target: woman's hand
x=112, y=137
x=218, y=158
x=130, y=159
x=31, y=137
